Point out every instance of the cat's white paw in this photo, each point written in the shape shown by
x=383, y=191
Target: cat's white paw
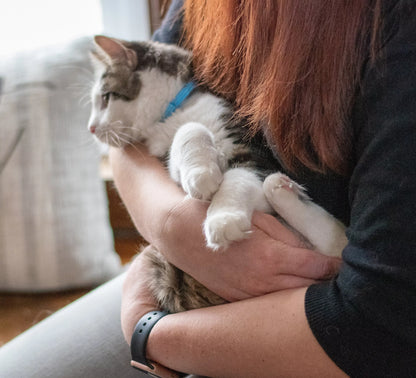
x=279, y=185
x=222, y=228
x=202, y=182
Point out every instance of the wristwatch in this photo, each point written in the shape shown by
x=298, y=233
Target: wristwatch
x=138, y=347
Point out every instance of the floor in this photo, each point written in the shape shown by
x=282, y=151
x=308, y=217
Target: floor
x=20, y=312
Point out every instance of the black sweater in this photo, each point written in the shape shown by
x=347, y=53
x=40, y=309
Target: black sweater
x=365, y=318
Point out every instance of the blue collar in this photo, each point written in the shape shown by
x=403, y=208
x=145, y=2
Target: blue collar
x=177, y=102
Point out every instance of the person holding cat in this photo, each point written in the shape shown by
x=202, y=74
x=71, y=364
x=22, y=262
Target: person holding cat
x=335, y=94
x=332, y=86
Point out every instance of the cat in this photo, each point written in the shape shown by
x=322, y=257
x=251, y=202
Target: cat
x=144, y=93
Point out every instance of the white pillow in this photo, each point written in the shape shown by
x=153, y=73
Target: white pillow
x=54, y=227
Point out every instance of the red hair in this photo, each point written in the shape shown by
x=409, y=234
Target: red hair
x=291, y=67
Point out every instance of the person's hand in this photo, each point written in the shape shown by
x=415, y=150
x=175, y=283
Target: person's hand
x=137, y=299
x=271, y=259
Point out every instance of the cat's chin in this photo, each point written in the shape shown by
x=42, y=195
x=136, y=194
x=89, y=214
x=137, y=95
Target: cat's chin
x=112, y=141
x=122, y=144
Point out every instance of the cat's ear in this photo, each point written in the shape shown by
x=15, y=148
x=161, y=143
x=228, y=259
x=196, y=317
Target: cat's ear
x=110, y=50
x=98, y=61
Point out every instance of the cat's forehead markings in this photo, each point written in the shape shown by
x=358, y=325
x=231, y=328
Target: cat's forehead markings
x=170, y=60
x=109, y=77
x=110, y=80
x=127, y=85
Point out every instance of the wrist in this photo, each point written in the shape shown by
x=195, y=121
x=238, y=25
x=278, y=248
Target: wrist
x=141, y=334
x=129, y=319
x=138, y=346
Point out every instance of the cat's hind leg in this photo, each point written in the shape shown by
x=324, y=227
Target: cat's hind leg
x=173, y=289
x=194, y=162
x=229, y=214
x=290, y=201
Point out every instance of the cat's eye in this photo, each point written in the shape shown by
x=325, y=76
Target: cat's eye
x=106, y=98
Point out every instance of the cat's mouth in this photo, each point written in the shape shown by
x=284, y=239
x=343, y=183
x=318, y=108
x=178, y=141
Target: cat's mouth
x=112, y=138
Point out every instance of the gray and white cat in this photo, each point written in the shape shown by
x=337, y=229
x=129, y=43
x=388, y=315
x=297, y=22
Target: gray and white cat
x=136, y=85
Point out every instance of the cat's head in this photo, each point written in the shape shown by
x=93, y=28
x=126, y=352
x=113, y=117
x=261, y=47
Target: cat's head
x=135, y=81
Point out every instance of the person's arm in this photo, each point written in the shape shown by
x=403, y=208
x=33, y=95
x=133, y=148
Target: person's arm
x=267, y=336
x=365, y=319
x=170, y=31
x=145, y=187
x=219, y=341
x=271, y=259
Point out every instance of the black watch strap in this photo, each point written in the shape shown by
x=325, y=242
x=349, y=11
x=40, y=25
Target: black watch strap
x=141, y=334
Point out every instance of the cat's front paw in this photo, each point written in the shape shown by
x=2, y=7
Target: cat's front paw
x=222, y=228
x=202, y=182
x=278, y=182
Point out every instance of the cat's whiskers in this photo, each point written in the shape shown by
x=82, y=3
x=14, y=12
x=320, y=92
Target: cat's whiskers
x=118, y=139
x=127, y=142
x=123, y=136
x=114, y=139
x=107, y=139
x=85, y=100
x=118, y=125
x=82, y=83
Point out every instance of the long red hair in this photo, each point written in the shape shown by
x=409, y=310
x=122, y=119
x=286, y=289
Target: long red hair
x=290, y=66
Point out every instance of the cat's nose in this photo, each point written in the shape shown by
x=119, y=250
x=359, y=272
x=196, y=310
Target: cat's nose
x=92, y=129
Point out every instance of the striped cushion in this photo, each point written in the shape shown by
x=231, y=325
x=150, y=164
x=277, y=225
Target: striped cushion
x=54, y=229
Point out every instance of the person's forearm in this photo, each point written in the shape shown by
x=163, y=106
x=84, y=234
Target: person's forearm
x=269, y=260
x=141, y=179
x=266, y=336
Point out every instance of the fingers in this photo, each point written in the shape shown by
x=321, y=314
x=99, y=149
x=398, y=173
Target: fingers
x=292, y=282
x=288, y=255
x=306, y=263
x=275, y=229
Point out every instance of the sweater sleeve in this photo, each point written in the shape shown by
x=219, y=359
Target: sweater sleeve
x=365, y=319
x=170, y=31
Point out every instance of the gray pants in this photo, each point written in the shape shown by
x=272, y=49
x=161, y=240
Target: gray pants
x=83, y=339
